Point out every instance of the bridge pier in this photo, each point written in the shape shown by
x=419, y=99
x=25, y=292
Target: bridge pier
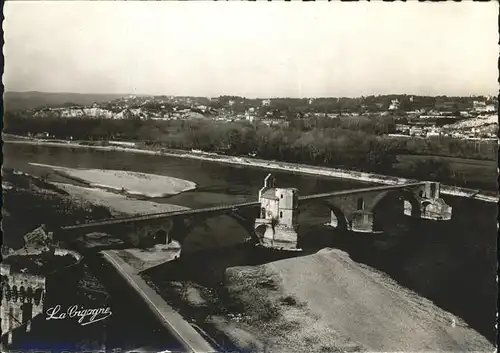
x=430, y=205
x=359, y=221
x=435, y=209
x=362, y=221
x=277, y=236
x=173, y=246
x=170, y=234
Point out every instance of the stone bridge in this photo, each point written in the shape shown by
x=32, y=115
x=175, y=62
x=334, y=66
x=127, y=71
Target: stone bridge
x=355, y=209
x=272, y=221
x=170, y=228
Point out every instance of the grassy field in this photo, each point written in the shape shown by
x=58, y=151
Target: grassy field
x=471, y=171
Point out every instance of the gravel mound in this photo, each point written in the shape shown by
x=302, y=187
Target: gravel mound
x=326, y=302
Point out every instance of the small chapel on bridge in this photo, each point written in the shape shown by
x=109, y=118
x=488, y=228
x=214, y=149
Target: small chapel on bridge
x=278, y=218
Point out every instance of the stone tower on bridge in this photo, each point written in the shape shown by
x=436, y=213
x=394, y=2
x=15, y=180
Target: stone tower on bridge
x=278, y=217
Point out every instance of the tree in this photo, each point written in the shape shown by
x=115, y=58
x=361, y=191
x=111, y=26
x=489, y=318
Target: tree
x=432, y=169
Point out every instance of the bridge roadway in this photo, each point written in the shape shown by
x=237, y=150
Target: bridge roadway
x=358, y=191
x=182, y=330
x=151, y=216
x=224, y=208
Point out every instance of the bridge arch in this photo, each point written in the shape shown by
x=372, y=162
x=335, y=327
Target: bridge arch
x=394, y=195
x=246, y=219
x=424, y=205
x=338, y=217
x=260, y=230
x=401, y=200
x=146, y=235
x=161, y=236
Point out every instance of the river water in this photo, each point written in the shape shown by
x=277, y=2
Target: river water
x=452, y=263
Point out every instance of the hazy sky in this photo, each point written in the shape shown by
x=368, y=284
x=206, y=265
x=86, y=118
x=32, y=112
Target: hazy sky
x=263, y=49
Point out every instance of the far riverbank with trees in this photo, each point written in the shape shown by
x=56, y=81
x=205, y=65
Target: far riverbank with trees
x=359, y=146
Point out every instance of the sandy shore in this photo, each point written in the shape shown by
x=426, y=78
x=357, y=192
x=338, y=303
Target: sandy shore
x=326, y=302
x=78, y=196
x=274, y=165
x=116, y=203
x=134, y=183
x=121, y=205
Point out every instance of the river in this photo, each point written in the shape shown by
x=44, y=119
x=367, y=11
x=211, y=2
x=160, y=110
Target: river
x=452, y=263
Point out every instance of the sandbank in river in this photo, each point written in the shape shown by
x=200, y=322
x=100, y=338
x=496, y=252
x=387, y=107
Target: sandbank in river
x=134, y=183
x=265, y=164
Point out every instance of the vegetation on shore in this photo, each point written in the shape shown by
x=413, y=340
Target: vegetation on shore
x=39, y=202
x=357, y=143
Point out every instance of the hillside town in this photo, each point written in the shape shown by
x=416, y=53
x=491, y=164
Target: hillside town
x=414, y=116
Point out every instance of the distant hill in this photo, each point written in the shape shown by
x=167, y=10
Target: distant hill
x=32, y=100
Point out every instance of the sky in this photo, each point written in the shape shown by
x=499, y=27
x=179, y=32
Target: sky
x=251, y=49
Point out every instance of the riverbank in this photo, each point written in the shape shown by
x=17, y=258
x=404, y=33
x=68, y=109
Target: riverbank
x=121, y=205
x=47, y=203
x=94, y=202
x=318, y=302
x=79, y=186
x=269, y=165
x=327, y=302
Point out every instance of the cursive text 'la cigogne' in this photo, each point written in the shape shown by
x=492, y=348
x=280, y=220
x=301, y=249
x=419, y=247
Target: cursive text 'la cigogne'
x=84, y=316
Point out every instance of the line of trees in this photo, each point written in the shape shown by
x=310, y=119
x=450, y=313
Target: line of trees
x=358, y=144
